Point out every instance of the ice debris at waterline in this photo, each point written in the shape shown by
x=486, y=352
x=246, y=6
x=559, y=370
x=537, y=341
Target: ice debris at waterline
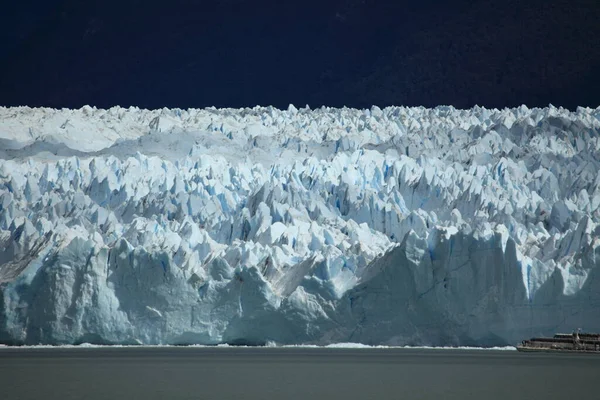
x=401, y=226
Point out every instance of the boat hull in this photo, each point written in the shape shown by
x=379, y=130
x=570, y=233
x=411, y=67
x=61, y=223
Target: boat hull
x=550, y=350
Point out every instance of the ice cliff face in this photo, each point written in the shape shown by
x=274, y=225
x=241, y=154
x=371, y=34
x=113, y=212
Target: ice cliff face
x=395, y=226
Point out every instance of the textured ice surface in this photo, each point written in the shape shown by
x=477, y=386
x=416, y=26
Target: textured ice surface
x=401, y=226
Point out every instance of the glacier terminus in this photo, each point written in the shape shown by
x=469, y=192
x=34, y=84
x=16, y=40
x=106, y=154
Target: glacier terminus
x=395, y=226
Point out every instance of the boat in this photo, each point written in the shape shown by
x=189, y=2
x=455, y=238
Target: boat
x=563, y=342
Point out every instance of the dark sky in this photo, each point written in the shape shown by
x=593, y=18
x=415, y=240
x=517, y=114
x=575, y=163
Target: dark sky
x=233, y=53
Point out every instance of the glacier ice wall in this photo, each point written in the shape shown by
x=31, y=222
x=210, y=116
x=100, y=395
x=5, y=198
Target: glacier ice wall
x=395, y=226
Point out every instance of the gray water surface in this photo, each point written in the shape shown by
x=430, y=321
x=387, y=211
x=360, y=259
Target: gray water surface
x=294, y=373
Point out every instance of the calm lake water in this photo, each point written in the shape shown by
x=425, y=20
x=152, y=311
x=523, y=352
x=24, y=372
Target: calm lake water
x=294, y=373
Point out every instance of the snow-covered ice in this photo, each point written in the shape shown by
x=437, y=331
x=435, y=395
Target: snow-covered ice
x=396, y=226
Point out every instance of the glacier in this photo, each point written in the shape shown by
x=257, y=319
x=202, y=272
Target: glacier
x=396, y=226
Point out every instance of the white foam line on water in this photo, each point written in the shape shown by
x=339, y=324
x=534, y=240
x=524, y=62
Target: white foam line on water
x=364, y=346
x=268, y=346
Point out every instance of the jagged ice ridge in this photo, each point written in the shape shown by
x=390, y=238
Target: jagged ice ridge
x=401, y=226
